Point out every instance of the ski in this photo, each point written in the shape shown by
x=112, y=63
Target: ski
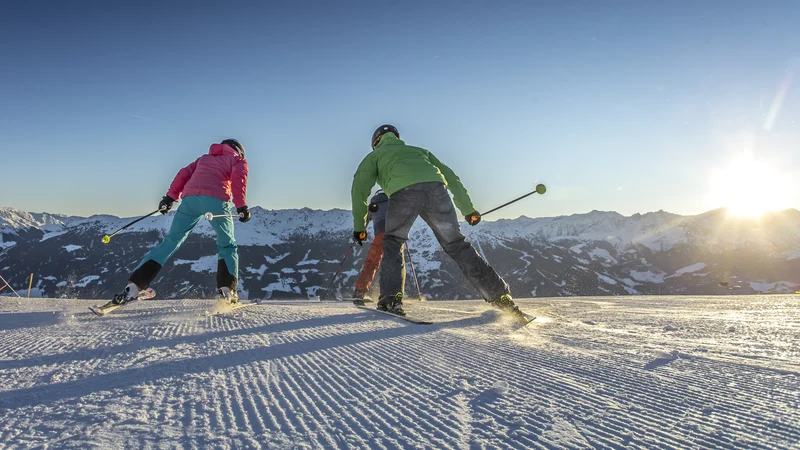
x=358, y=303
x=355, y=299
x=524, y=319
x=146, y=294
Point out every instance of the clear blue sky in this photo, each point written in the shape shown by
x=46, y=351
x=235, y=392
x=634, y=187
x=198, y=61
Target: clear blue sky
x=615, y=105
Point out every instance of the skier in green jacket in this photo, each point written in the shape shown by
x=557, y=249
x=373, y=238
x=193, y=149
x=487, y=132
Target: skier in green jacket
x=417, y=184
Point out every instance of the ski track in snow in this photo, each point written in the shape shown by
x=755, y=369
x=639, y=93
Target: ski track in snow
x=610, y=372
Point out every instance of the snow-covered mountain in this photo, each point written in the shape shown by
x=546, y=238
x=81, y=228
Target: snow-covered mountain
x=294, y=254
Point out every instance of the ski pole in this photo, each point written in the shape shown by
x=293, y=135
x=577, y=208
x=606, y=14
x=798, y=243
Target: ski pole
x=338, y=270
x=540, y=189
x=210, y=216
x=414, y=272
x=107, y=238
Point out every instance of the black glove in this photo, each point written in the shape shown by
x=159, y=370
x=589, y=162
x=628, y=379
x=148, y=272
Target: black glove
x=373, y=207
x=165, y=204
x=473, y=219
x=360, y=237
x=244, y=213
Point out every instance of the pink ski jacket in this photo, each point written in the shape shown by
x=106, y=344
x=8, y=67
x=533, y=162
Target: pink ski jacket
x=222, y=173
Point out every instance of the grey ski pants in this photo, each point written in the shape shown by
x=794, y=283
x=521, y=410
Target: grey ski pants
x=432, y=202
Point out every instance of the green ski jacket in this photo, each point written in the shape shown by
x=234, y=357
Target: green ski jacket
x=394, y=166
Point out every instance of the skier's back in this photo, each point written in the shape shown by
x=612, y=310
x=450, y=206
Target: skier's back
x=417, y=184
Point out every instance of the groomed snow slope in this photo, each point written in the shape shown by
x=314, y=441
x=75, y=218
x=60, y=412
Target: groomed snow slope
x=644, y=372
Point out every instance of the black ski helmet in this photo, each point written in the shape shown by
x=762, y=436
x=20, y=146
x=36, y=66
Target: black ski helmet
x=383, y=129
x=234, y=144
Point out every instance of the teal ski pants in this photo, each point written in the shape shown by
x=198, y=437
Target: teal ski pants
x=189, y=213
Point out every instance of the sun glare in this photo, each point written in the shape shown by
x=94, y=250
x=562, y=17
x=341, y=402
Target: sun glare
x=749, y=187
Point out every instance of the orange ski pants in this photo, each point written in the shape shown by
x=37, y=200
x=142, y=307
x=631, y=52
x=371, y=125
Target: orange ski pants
x=371, y=264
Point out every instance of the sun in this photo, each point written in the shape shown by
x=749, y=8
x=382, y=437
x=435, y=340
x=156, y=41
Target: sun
x=749, y=187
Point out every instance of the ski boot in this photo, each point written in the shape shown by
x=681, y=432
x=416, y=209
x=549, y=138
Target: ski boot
x=230, y=297
x=392, y=304
x=506, y=304
x=130, y=293
x=361, y=295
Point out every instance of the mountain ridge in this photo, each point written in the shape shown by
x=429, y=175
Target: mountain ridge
x=293, y=253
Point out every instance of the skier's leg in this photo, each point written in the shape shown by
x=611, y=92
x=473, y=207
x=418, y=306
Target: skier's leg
x=186, y=217
x=370, y=265
x=440, y=215
x=403, y=209
x=227, y=250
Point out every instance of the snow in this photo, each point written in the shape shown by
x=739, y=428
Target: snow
x=631, y=290
x=647, y=276
x=640, y=373
x=204, y=264
x=71, y=248
x=306, y=261
x=6, y=244
x=86, y=280
x=688, y=269
x=53, y=234
x=630, y=282
x=606, y=279
x=282, y=285
x=780, y=286
x=600, y=253
x=260, y=271
x=12, y=220
x=275, y=260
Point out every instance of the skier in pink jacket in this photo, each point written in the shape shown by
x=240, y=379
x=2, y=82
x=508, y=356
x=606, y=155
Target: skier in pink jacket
x=206, y=185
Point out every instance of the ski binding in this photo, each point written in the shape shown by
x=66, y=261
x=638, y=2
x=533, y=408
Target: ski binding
x=146, y=294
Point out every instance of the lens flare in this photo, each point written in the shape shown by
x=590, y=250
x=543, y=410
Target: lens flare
x=749, y=187
x=777, y=102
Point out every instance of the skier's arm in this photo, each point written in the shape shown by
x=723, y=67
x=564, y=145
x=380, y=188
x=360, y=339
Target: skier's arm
x=365, y=177
x=239, y=183
x=460, y=195
x=180, y=180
